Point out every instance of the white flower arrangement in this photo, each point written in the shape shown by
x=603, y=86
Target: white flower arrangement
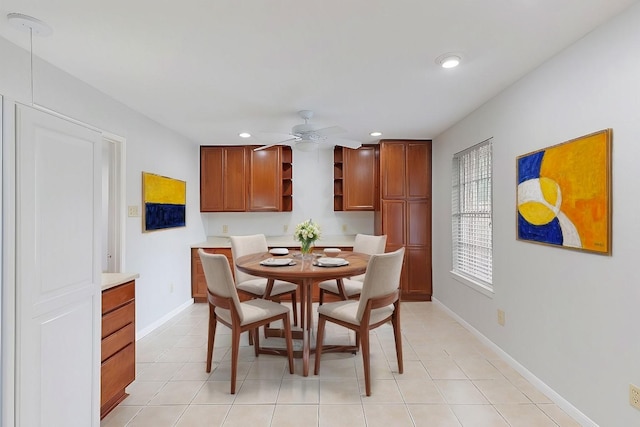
x=306, y=233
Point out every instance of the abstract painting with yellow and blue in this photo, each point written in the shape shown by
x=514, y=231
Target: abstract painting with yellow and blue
x=564, y=194
x=164, y=202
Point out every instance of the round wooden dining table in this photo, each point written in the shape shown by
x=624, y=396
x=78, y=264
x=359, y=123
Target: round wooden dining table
x=305, y=272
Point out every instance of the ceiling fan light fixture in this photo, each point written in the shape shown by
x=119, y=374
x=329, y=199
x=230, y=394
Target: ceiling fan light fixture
x=244, y=135
x=29, y=23
x=449, y=60
x=306, y=145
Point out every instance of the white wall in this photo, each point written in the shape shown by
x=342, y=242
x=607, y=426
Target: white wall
x=312, y=198
x=161, y=258
x=571, y=318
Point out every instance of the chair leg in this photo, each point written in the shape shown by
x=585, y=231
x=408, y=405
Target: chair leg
x=212, y=335
x=319, y=340
x=288, y=339
x=256, y=339
x=294, y=305
x=366, y=362
x=397, y=335
x=235, y=349
x=321, y=297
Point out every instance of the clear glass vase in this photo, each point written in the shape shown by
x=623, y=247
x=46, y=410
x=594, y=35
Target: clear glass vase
x=306, y=249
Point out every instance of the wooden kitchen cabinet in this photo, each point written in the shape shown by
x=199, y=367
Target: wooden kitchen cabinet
x=355, y=181
x=198, y=281
x=239, y=179
x=118, y=345
x=405, y=211
x=223, y=179
x=270, y=185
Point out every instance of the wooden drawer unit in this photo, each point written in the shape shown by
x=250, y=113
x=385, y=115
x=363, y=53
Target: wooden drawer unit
x=117, y=372
x=118, y=296
x=117, y=341
x=117, y=319
x=118, y=345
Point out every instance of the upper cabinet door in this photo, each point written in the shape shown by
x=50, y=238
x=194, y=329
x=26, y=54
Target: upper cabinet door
x=223, y=179
x=392, y=162
x=234, y=182
x=360, y=178
x=418, y=170
x=211, y=176
x=265, y=183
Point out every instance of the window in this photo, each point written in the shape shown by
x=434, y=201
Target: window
x=471, y=215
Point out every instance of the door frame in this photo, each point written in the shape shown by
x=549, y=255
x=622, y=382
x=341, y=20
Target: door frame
x=116, y=201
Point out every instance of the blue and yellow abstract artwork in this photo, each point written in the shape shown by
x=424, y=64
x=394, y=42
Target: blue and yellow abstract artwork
x=564, y=194
x=164, y=202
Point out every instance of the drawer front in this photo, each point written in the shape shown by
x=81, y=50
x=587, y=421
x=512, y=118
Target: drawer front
x=117, y=341
x=115, y=297
x=117, y=319
x=117, y=372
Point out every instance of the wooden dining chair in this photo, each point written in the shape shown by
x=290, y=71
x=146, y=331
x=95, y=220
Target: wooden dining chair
x=378, y=304
x=350, y=288
x=225, y=307
x=257, y=287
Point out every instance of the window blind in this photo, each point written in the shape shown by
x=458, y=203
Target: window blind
x=471, y=213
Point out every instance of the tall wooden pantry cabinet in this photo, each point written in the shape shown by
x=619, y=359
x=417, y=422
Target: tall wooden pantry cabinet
x=404, y=212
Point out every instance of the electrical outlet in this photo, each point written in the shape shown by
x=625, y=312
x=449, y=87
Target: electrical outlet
x=500, y=317
x=171, y=287
x=133, y=211
x=225, y=229
x=344, y=228
x=285, y=228
x=634, y=396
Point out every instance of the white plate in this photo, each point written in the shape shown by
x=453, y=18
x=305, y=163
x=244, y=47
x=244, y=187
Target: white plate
x=332, y=262
x=276, y=262
x=279, y=251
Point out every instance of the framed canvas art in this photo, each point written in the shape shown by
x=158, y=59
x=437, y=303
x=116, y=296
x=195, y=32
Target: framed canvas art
x=564, y=194
x=164, y=201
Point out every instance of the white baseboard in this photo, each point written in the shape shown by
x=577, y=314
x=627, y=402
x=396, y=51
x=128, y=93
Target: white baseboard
x=571, y=410
x=162, y=320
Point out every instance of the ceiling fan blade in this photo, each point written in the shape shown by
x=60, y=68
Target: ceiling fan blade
x=328, y=131
x=285, y=142
x=270, y=137
x=349, y=143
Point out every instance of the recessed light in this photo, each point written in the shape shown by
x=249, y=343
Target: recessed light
x=449, y=60
x=376, y=134
x=244, y=135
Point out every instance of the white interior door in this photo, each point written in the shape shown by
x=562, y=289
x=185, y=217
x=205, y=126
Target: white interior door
x=58, y=217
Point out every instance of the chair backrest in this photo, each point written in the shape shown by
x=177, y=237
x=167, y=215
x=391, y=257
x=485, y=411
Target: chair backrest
x=245, y=245
x=219, y=278
x=382, y=277
x=369, y=245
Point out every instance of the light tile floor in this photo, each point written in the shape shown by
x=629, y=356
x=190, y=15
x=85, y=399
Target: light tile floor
x=450, y=379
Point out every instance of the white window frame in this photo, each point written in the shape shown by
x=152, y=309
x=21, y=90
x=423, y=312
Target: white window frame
x=471, y=217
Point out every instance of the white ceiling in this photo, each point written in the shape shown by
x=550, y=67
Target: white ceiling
x=210, y=69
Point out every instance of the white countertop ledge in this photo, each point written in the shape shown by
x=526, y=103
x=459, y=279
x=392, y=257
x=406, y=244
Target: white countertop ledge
x=280, y=241
x=111, y=280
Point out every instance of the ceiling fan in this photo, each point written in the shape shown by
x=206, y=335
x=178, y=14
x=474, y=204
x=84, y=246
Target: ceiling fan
x=306, y=137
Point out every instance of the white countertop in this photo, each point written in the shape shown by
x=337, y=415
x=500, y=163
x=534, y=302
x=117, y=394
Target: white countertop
x=110, y=280
x=280, y=241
